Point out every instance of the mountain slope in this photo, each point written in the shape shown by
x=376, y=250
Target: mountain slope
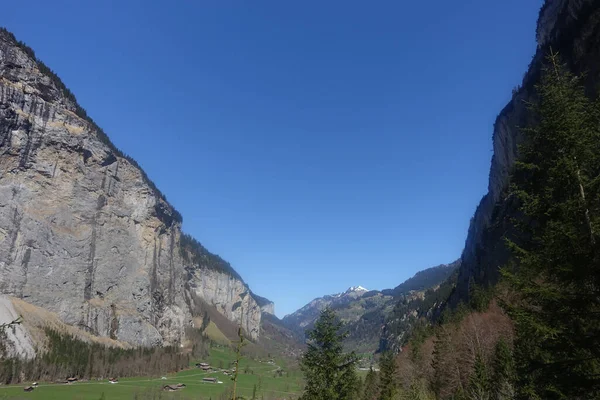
x=277, y=338
x=85, y=234
x=425, y=279
x=571, y=28
x=365, y=312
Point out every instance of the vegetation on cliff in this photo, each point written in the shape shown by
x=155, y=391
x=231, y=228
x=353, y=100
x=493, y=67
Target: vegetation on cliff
x=557, y=277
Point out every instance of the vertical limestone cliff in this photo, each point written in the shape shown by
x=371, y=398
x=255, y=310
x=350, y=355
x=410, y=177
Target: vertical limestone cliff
x=571, y=27
x=83, y=232
x=230, y=296
x=268, y=308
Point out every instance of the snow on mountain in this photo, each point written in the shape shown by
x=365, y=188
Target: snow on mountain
x=357, y=289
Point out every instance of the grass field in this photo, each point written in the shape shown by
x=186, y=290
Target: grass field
x=273, y=385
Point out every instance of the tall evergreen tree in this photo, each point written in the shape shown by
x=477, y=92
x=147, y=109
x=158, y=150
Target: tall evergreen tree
x=479, y=382
x=387, y=377
x=371, y=386
x=557, y=183
x=329, y=372
x=504, y=375
x=441, y=360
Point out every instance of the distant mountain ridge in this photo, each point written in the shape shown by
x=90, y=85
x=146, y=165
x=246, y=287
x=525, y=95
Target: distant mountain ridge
x=425, y=279
x=365, y=311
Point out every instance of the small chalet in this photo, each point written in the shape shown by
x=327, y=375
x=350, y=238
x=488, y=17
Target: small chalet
x=172, y=388
x=203, y=366
x=209, y=380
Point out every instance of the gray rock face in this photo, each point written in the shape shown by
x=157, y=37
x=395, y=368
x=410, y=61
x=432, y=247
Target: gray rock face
x=551, y=14
x=268, y=308
x=568, y=26
x=83, y=233
x=16, y=341
x=230, y=297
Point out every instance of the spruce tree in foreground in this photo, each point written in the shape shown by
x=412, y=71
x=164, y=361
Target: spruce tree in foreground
x=557, y=184
x=387, y=377
x=479, y=381
x=330, y=373
x=371, y=386
x=504, y=373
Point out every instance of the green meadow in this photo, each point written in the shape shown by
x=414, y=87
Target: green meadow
x=279, y=380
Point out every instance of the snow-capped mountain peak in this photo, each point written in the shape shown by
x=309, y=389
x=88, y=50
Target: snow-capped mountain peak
x=357, y=289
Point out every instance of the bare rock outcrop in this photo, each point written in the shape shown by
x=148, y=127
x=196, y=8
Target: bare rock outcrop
x=83, y=232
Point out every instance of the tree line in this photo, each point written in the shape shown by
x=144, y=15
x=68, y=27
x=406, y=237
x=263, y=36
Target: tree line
x=66, y=356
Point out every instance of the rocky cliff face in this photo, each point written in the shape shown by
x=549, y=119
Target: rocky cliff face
x=230, y=296
x=571, y=28
x=268, y=308
x=83, y=232
x=14, y=341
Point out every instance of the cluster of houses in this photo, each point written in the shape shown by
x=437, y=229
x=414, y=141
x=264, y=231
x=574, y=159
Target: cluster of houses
x=168, y=388
x=206, y=367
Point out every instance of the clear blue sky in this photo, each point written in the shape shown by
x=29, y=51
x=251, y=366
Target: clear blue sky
x=315, y=145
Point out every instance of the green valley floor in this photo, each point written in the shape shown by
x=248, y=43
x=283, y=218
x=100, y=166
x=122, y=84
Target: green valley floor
x=272, y=381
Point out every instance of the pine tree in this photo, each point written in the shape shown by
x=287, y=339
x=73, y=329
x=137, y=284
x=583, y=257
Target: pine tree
x=387, y=377
x=479, y=382
x=371, y=386
x=330, y=373
x=441, y=360
x=418, y=391
x=504, y=372
x=557, y=183
x=359, y=388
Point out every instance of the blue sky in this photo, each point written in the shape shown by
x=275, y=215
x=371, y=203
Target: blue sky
x=315, y=145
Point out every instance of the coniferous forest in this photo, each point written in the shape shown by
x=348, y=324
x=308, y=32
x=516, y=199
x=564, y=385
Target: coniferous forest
x=66, y=356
